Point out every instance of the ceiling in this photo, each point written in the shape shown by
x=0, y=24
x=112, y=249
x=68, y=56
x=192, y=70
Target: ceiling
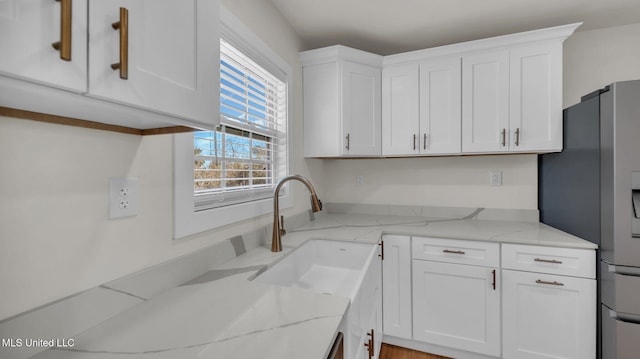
x=393, y=26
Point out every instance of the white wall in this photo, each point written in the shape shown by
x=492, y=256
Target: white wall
x=596, y=58
x=55, y=235
x=592, y=59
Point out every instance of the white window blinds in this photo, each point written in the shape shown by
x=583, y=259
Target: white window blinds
x=242, y=160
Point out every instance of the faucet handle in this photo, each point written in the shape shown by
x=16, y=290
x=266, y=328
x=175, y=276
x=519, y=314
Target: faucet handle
x=282, y=230
x=316, y=204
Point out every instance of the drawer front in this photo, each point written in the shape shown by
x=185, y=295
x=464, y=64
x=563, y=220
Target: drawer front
x=456, y=251
x=552, y=260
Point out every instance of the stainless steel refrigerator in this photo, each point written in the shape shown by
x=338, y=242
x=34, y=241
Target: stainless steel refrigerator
x=592, y=190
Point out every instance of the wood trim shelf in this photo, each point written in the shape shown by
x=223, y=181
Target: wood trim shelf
x=389, y=351
x=67, y=121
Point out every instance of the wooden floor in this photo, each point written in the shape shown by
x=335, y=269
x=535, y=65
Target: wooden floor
x=394, y=352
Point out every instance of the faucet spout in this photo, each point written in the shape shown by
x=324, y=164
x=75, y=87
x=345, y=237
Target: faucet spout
x=278, y=222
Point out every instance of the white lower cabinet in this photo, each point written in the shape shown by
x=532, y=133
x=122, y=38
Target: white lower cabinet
x=548, y=316
x=474, y=299
x=456, y=306
x=364, y=328
x=396, y=289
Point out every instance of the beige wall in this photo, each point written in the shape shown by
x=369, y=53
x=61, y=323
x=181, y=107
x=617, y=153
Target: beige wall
x=435, y=181
x=55, y=235
x=592, y=59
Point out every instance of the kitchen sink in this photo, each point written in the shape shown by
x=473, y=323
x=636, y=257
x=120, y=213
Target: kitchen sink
x=323, y=266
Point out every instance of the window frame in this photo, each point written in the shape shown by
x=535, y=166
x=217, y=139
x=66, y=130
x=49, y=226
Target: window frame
x=187, y=220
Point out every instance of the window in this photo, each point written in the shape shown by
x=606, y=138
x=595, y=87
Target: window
x=243, y=159
x=227, y=175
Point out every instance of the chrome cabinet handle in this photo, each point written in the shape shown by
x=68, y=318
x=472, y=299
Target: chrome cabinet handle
x=424, y=142
x=64, y=45
x=348, y=141
x=504, y=137
x=123, y=27
x=517, y=136
x=414, y=141
x=548, y=261
x=540, y=281
x=452, y=252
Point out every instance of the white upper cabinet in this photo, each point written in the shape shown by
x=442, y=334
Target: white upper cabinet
x=440, y=98
x=421, y=108
x=400, y=110
x=485, y=102
x=28, y=30
x=535, y=117
x=166, y=54
x=512, y=99
x=170, y=56
x=361, y=109
x=507, y=96
x=342, y=111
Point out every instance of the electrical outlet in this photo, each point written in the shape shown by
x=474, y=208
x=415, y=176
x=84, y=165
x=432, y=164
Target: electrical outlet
x=123, y=197
x=495, y=178
x=359, y=180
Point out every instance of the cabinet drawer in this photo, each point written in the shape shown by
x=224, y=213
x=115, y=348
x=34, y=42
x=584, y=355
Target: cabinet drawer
x=456, y=251
x=552, y=260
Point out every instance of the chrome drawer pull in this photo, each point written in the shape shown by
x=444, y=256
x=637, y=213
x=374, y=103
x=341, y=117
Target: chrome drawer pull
x=548, y=261
x=539, y=281
x=452, y=252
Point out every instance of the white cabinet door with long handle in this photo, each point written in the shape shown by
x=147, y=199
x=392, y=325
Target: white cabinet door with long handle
x=400, y=111
x=485, y=102
x=45, y=41
x=457, y=306
x=160, y=55
x=440, y=101
x=548, y=316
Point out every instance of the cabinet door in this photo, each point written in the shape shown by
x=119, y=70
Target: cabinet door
x=456, y=306
x=548, y=316
x=322, y=129
x=377, y=337
x=28, y=28
x=440, y=106
x=400, y=122
x=361, y=109
x=485, y=102
x=536, y=97
x=173, y=56
x=396, y=286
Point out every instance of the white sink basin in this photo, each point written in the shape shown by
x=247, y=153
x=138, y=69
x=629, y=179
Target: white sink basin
x=323, y=266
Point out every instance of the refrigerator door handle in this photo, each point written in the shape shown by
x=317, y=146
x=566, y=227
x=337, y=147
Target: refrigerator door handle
x=622, y=270
x=626, y=318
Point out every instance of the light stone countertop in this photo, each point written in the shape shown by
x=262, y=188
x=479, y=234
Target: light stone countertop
x=224, y=314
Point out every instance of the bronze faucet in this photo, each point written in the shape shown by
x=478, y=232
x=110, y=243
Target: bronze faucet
x=278, y=221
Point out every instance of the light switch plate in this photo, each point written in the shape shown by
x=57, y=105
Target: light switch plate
x=123, y=197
